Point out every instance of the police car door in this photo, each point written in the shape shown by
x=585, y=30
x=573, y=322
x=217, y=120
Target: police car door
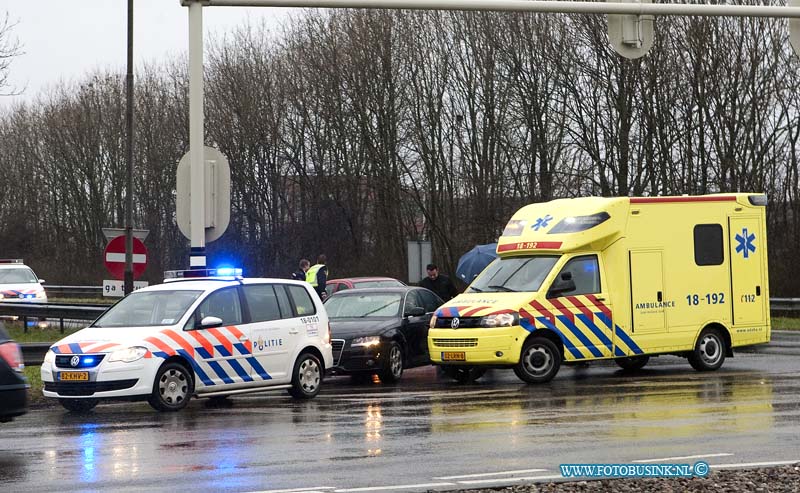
x=272, y=330
x=222, y=351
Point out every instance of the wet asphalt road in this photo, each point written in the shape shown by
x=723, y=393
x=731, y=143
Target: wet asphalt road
x=424, y=433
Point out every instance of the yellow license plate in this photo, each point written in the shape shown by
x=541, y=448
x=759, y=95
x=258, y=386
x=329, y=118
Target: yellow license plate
x=454, y=356
x=74, y=376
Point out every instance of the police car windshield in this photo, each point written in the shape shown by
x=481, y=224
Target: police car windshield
x=148, y=309
x=364, y=305
x=19, y=275
x=524, y=274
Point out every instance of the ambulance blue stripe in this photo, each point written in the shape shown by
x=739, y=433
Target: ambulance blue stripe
x=604, y=319
x=258, y=368
x=595, y=330
x=219, y=371
x=203, y=353
x=76, y=348
x=239, y=370
x=572, y=349
x=618, y=351
x=222, y=350
x=627, y=340
x=580, y=335
x=527, y=324
x=199, y=371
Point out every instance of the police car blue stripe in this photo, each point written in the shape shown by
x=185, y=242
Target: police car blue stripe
x=242, y=348
x=595, y=330
x=239, y=370
x=258, y=368
x=572, y=349
x=76, y=348
x=627, y=340
x=580, y=335
x=219, y=371
x=203, y=353
x=222, y=350
x=199, y=371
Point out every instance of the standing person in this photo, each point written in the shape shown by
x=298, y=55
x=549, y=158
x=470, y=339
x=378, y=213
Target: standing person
x=439, y=283
x=317, y=276
x=300, y=275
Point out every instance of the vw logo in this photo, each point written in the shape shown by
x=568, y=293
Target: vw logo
x=454, y=323
x=75, y=361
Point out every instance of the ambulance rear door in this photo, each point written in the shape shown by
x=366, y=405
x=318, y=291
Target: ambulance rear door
x=747, y=279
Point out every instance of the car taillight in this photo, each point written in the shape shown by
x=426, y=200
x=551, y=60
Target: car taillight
x=9, y=351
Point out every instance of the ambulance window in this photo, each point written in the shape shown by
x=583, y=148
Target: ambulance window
x=708, y=244
x=585, y=273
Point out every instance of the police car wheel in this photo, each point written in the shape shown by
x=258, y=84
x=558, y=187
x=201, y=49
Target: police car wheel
x=394, y=364
x=307, y=377
x=464, y=374
x=709, y=352
x=172, y=388
x=632, y=363
x=539, y=361
x=78, y=405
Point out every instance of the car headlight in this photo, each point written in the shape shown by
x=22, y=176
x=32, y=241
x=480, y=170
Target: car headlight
x=369, y=341
x=128, y=355
x=40, y=294
x=50, y=356
x=433, y=322
x=500, y=320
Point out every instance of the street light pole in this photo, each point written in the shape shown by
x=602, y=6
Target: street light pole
x=128, y=287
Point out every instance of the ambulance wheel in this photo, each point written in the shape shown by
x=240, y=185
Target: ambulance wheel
x=172, y=387
x=709, y=352
x=78, y=405
x=464, y=374
x=539, y=361
x=307, y=377
x=393, y=370
x=632, y=363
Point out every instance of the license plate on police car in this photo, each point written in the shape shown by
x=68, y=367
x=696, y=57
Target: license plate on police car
x=454, y=356
x=73, y=376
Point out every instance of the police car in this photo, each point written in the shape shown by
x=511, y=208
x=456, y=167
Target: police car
x=207, y=337
x=18, y=283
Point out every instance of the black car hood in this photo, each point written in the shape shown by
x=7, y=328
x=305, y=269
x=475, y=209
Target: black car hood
x=347, y=328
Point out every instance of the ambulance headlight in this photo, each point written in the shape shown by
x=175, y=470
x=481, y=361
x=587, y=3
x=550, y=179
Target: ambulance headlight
x=128, y=355
x=50, y=357
x=500, y=320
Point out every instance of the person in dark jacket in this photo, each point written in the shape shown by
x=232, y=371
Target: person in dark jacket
x=300, y=275
x=439, y=283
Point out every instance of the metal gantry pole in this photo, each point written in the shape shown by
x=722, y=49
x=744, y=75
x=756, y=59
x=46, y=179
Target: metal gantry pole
x=197, y=255
x=128, y=282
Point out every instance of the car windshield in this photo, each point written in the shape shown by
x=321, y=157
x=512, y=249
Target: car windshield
x=17, y=275
x=148, y=308
x=364, y=305
x=516, y=274
x=382, y=283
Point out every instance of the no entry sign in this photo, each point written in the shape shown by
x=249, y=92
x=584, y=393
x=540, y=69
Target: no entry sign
x=114, y=257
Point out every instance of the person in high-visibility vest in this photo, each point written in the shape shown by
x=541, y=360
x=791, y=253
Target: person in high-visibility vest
x=317, y=276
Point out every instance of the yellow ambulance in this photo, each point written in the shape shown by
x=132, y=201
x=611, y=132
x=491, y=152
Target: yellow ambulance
x=619, y=278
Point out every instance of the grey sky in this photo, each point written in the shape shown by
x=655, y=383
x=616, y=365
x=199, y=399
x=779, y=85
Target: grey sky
x=62, y=39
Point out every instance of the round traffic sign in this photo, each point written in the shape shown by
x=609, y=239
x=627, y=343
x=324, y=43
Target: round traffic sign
x=114, y=257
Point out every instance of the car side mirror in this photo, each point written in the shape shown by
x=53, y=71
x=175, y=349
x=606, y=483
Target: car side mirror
x=41, y=281
x=210, y=322
x=562, y=284
x=416, y=311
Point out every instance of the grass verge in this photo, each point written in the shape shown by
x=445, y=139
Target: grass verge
x=785, y=323
x=32, y=373
x=51, y=333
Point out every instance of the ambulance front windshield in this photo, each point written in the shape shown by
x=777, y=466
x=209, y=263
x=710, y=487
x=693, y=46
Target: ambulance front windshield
x=516, y=274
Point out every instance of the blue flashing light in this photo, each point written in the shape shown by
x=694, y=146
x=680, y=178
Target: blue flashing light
x=88, y=361
x=29, y=296
x=228, y=271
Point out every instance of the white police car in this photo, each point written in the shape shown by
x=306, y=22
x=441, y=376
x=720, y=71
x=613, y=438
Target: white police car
x=18, y=283
x=195, y=337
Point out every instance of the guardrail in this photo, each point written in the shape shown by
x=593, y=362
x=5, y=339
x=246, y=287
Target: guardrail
x=784, y=304
x=73, y=291
x=33, y=352
x=60, y=311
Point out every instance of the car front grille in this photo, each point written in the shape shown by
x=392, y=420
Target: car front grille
x=463, y=342
x=88, y=388
x=337, y=347
x=65, y=360
x=463, y=322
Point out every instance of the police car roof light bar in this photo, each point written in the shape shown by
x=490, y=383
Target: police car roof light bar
x=11, y=261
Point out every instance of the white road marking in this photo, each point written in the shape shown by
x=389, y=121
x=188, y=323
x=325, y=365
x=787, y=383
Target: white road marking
x=500, y=473
x=755, y=464
x=502, y=480
x=644, y=461
x=396, y=487
x=314, y=489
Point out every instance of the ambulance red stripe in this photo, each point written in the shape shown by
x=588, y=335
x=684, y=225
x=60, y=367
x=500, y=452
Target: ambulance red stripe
x=544, y=311
x=563, y=309
x=580, y=306
x=530, y=245
x=653, y=200
x=599, y=304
